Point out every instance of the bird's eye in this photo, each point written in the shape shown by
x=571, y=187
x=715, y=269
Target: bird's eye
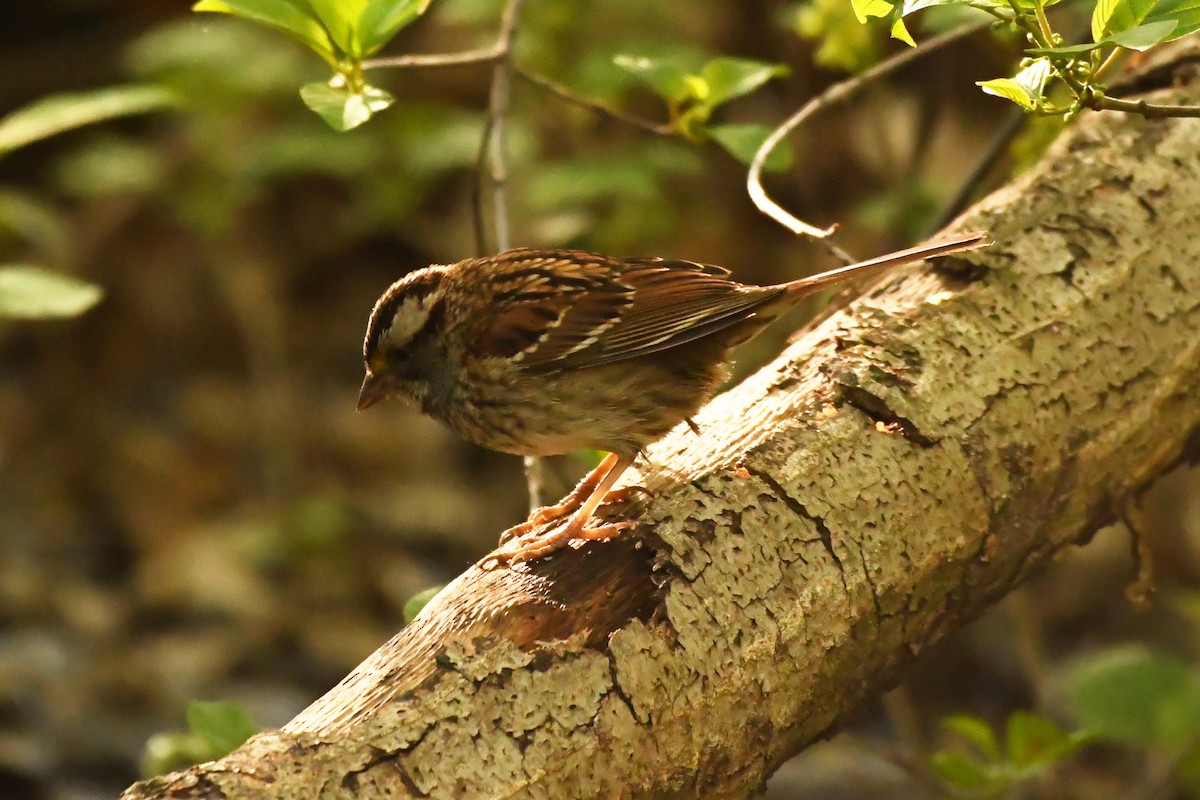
x=398, y=357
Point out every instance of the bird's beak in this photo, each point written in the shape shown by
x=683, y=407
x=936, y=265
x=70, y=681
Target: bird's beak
x=374, y=388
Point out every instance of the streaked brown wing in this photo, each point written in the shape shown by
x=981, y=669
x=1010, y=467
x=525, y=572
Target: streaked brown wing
x=623, y=310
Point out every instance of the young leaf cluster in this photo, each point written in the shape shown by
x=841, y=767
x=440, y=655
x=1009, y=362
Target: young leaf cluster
x=692, y=95
x=1117, y=26
x=1127, y=696
x=985, y=768
x=215, y=729
x=343, y=33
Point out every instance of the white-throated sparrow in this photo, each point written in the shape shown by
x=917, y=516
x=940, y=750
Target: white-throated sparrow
x=541, y=352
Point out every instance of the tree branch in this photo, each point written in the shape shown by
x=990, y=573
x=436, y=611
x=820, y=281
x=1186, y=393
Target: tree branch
x=902, y=466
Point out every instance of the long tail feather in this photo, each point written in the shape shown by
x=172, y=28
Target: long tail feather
x=943, y=247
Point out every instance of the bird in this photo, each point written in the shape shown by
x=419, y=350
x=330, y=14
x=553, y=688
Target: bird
x=543, y=352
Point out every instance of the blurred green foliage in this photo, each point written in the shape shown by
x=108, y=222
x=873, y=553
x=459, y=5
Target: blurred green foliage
x=215, y=728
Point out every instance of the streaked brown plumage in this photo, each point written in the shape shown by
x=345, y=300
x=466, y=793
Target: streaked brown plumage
x=541, y=352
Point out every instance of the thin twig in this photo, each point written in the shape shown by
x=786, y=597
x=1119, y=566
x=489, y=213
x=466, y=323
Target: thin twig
x=493, y=158
x=492, y=150
x=1147, y=110
x=478, y=222
x=563, y=92
x=834, y=95
x=481, y=55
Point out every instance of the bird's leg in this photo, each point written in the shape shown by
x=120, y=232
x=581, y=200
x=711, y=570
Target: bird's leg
x=576, y=527
x=585, y=489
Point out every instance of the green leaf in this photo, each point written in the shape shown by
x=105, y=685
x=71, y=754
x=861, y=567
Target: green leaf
x=728, y=78
x=1100, y=16
x=28, y=292
x=224, y=726
x=976, y=731
x=167, y=752
x=1031, y=740
x=293, y=17
x=900, y=32
x=1117, y=16
x=418, y=601
x=743, y=141
x=1134, y=695
x=1143, y=37
x=843, y=43
x=1025, y=88
x=109, y=166
x=342, y=108
x=382, y=19
x=960, y=770
x=340, y=18
x=1009, y=89
x=667, y=77
x=878, y=9
x=38, y=222
x=872, y=9
x=913, y=6
x=63, y=112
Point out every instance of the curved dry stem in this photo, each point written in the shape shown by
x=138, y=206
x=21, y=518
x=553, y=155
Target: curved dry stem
x=833, y=96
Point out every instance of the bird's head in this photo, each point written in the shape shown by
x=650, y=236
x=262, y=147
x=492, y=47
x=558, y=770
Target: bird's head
x=402, y=347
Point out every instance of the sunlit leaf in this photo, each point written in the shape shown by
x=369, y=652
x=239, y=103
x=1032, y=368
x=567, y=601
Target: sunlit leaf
x=1025, y=88
x=1009, y=90
x=667, y=77
x=877, y=9
x=224, y=726
x=728, y=78
x=743, y=141
x=899, y=31
x=28, y=292
x=1117, y=16
x=63, y=112
x=382, y=19
x=342, y=108
x=1100, y=17
x=293, y=17
x=871, y=9
x=1142, y=37
x=341, y=19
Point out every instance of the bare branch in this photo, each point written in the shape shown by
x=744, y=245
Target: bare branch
x=482, y=55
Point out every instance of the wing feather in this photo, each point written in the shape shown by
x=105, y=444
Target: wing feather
x=615, y=310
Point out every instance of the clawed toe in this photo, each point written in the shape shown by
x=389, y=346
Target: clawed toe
x=625, y=494
x=517, y=550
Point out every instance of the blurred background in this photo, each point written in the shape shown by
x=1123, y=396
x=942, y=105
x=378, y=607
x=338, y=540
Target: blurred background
x=191, y=509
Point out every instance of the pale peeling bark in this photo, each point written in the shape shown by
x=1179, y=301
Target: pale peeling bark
x=903, y=465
